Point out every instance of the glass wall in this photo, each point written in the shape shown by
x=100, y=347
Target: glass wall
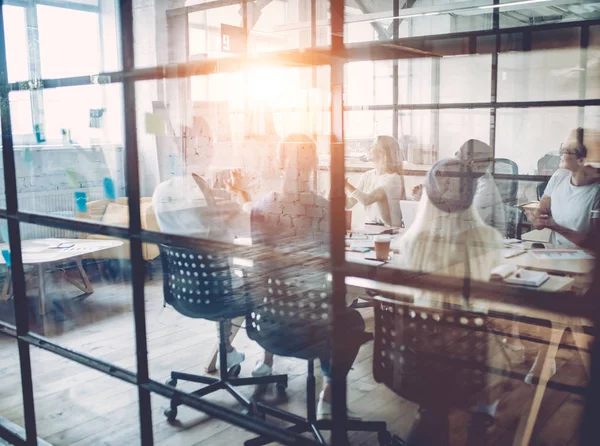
x=237, y=216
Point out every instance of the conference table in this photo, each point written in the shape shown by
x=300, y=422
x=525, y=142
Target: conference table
x=564, y=275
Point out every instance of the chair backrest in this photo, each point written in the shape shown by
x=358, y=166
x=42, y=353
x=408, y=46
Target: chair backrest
x=432, y=357
x=540, y=188
x=289, y=315
x=199, y=284
x=508, y=188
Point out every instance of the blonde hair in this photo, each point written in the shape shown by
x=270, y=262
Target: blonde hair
x=392, y=154
x=457, y=244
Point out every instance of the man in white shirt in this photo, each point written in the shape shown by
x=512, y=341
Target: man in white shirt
x=570, y=206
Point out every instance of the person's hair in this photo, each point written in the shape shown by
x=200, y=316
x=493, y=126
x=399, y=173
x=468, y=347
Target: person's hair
x=580, y=148
x=300, y=149
x=457, y=244
x=392, y=154
x=450, y=186
x=474, y=150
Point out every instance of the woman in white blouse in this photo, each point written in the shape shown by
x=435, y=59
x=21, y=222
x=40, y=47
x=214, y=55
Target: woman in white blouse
x=381, y=189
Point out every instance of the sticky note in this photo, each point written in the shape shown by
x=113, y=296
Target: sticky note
x=27, y=157
x=155, y=124
x=109, y=189
x=6, y=255
x=72, y=177
x=80, y=201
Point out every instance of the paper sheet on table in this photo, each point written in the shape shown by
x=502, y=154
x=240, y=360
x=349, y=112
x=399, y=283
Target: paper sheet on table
x=362, y=243
x=561, y=254
x=33, y=249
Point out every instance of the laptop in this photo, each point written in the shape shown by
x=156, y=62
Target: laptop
x=409, y=211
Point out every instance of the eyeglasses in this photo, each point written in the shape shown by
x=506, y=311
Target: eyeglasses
x=570, y=151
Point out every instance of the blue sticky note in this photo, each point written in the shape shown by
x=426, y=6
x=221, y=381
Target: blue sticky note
x=80, y=201
x=6, y=255
x=27, y=155
x=109, y=189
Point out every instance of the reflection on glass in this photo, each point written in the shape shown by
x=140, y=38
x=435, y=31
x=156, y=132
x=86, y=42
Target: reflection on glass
x=80, y=160
x=369, y=83
x=10, y=389
x=78, y=405
x=15, y=31
x=60, y=54
x=532, y=136
x=77, y=283
x=539, y=75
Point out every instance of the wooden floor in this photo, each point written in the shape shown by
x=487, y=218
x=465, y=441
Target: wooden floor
x=79, y=406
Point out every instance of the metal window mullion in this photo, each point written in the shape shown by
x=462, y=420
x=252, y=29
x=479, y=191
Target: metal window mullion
x=337, y=223
x=133, y=198
x=36, y=95
x=395, y=86
x=18, y=277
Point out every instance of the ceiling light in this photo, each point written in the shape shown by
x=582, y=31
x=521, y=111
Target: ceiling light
x=504, y=5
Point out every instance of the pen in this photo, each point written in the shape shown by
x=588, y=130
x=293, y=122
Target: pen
x=515, y=254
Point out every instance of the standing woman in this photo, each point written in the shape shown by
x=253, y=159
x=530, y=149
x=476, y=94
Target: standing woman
x=381, y=189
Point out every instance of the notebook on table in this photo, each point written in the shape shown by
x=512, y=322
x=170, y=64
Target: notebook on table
x=517, y=276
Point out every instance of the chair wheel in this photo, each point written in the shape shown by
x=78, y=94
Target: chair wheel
x=281, y=389
x=234, y=371
x=171, y=382
x=171, y=414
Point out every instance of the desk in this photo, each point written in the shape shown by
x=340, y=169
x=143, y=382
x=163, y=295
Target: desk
x=563, y=267
x=43, y=253
x=558, y=323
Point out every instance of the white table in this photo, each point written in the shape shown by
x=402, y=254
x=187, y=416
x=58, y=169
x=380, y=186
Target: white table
x=43, y=253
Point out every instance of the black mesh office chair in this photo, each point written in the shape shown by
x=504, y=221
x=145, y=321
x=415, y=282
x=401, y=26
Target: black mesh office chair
x=508, y=191
x=198, y=284
x=435, y=358
x=292, y=318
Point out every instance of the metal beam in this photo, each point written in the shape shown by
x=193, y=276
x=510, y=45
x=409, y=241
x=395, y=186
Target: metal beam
x=382, y=32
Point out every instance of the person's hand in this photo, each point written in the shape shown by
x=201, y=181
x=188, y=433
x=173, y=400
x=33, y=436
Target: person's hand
x=417, y=191
x=235, y=182
x=540, y=221
x=349, y=187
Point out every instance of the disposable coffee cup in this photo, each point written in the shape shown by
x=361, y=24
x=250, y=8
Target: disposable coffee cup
x=382, y=247
x=348, y=220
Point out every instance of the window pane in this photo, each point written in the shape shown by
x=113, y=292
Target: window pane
x=369, y=83
x=20, y=117
x=61, y=54
x=527, y=135
x=465, y=79
x=15, y=29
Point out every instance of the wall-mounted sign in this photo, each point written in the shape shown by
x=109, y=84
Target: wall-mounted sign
x=233, y=39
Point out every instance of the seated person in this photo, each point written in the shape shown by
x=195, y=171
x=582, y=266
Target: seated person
x=488, y=200
x=571, y=201
x=182, y=209
x=296, y=220
x=381, y=189
x=449, y=237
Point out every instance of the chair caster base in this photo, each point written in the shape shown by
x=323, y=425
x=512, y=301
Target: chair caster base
x=234, y=371
x=171, y=414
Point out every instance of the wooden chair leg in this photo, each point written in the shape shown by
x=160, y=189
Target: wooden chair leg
x=525, y=428
x=211, y=366
x=582, y=344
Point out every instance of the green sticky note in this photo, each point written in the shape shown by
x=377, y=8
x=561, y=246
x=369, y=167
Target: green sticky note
x=155, y=124
x=72, y=177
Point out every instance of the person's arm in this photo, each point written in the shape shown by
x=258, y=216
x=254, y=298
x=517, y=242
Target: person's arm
x=351, y=200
